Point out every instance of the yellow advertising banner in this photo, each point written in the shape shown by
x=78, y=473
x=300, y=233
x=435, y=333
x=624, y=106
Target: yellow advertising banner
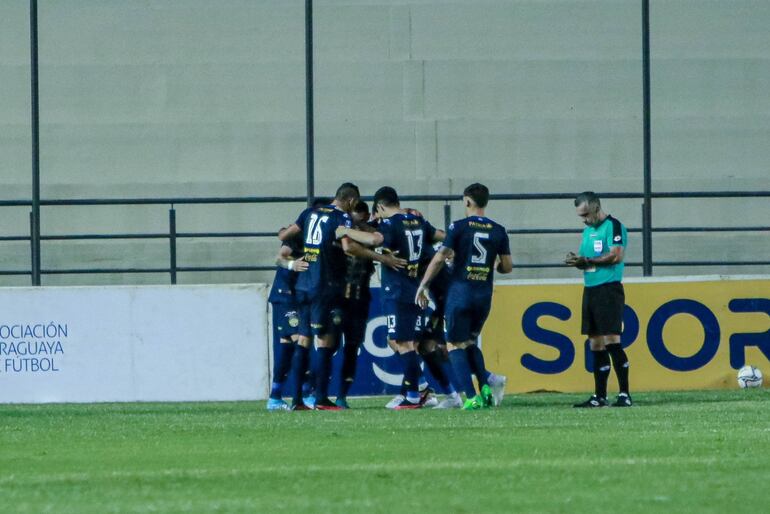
x=678, y=334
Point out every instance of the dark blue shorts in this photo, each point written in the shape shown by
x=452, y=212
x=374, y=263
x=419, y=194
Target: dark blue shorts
x=465, y=316
x=354, y=319
x=404, y=320
x=319, y=315
x=285, y=319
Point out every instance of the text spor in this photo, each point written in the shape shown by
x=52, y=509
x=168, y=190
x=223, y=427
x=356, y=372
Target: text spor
x=655, y=342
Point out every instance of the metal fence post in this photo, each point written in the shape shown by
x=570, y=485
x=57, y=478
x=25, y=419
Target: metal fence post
x=172, y=243
x=447, y=216
x=309, y=135
x=35, y=115
x=34, y=255
x=647, y=205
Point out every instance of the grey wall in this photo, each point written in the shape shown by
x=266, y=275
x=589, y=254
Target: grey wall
x=200, y=98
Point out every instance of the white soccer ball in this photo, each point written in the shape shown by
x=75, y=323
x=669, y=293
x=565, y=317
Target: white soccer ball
x=749, y=376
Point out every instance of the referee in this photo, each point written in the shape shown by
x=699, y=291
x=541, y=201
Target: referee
x=601, y=260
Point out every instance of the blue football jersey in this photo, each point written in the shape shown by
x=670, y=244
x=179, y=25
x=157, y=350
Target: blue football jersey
x=324, y=254
x=410, y=236
x=476, y=241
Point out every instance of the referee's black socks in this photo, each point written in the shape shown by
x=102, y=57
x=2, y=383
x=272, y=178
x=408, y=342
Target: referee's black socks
x=601, y=372
x=620, y=363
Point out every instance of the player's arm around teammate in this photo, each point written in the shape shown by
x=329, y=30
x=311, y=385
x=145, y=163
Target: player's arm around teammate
x=285, y=260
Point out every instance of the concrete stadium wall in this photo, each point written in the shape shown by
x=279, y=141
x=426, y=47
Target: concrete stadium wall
x=186, y=98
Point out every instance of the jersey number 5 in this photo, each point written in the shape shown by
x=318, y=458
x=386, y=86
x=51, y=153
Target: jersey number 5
x=481, y=256
x=314, y=229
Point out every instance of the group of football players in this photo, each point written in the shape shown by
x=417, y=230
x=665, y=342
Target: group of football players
x=435, y=300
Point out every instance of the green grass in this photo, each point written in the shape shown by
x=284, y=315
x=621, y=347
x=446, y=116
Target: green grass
x=673, y=452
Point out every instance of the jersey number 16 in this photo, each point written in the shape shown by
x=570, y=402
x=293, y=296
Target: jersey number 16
x=314, y=229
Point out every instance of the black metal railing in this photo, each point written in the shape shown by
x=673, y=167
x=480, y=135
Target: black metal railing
x=172, y=235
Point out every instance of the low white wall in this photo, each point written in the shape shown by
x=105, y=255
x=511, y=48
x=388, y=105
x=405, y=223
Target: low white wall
x=157, y=343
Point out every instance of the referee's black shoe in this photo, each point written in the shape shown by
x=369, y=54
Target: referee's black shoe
x=623, y=400
x=592, y=403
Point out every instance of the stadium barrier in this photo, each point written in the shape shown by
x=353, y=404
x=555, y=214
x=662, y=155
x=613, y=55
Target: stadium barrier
x=680, y=333
x=151, y=343
x=198, y=343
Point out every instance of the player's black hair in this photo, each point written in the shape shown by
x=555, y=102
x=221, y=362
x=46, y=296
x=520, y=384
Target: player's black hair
x=387, y=197
x=479, y=193
x=361, y=207
x=590, y=198
x=347, y=191
x=320, y=202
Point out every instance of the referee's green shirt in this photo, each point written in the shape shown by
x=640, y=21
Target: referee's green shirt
x=597, y=241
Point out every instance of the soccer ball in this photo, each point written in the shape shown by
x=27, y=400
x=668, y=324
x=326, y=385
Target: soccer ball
x=749, y=376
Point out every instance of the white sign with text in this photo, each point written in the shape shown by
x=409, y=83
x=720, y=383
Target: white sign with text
x=144, y=343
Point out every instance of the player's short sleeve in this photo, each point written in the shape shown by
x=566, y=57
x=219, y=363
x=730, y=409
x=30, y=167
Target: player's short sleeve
x=386, y=229
x=302, y=217
x=346, y=221
x=503, y=244
x=429, y=231
x=449, y=240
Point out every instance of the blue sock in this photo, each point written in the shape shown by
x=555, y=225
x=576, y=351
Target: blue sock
x=299, y=371
x=323, y=372
x=350, y=359
x=435, y=364
x=308, y=386
x=281, y=367
x=411, y=374
x=462, y=371
x=476, y=362
x=450, y=374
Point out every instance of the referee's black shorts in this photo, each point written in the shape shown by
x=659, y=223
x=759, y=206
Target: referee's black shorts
x=603, y=309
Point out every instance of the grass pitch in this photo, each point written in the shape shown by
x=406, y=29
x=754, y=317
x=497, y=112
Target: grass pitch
x=673, y=452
